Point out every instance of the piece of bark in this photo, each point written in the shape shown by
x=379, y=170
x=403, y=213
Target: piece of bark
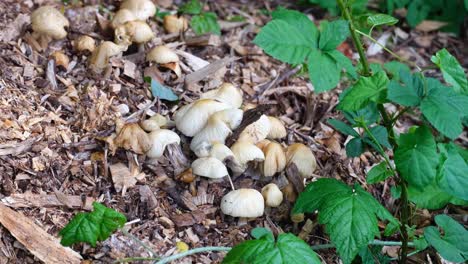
x=293, y=176
x=188, y=219
x=16, y=148
x=208, y=70
x=203, y=40
x=42, y=245
x=48, y=200
x=146, y=195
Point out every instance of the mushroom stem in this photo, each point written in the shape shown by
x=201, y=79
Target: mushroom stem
x=242, y=221
x=230, y=181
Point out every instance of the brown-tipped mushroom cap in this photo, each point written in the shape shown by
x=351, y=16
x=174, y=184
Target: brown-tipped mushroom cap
x=85, y=43
x=272, y=194
x=174, y=24
x=245, y=152
x=133, y=32
x=165, y=57
x=99, y=60
x=209, y=167
x=275, y=159
x=277, y=129
x=155, y=122
x=226, y=93
x=142, y=9
x=48, y=21
x=243, y=203
x=121, y=17
x=159, y=140
x=221, y=152
x=256, y=131
x=303, y=158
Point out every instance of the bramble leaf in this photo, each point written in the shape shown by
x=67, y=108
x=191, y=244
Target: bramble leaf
x=416, y=157
x=453, y=173
x=343, y=62
x=355, y=147
x=193, y=7
x=343, y=127
x=333, y=34
x=380, y=134
x=408, y=94
x=378, y=173
x=453, y=245
x=381, y=19
x=205, y=22
x=452, y=71
x=395, y=67
x=92, y=227
x=336, y=201
x=364, y=91
x=299, y=21
x=432, y=197
x=323, y=70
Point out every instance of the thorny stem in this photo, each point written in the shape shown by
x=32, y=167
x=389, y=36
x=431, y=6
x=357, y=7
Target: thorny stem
x=387, y=121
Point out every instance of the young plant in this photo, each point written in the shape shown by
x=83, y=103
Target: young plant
x=202, y=22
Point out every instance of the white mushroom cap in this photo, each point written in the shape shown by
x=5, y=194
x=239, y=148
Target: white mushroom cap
x=191, y=118
x=209, y=167
x=155, y=122
x=142, y=9
x=215, y=130
x=303, y=158
x=232, y=117
x=48, y=21
x=256, y=131
x=243, y=203
x=174, y=24
x=226, y=93
x=85, y=43
x=245, y=152
x=159, y=140
x=122, y=16
x=275, y=159
x=272, y=194
x=99, y=59
x=162, y=54
x=277, y=129
x=133, y=32
x=221, y=152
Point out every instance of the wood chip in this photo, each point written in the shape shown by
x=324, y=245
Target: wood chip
x=204, y=40
x=188, y=219
x=42, y=245
x=29, y=200
x=208, y=70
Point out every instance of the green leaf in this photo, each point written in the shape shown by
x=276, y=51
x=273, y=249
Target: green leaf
x=161, y=91
x=260, y=232
x=92, y=227
x=454, y=174
x=287, y=249
x=408, y=94
x=368, y=114
x=364, y=91
x=343, y=127
x=378, y=173
x=395, y=67
x=416, y=157
x=381, y=19
x=206, y=22
x=335, y=202
x=453, y=245
x=420, y=243
x=193, y=7
x=372, y=255
x=332, y=34
x=452, y=70
x=323, y=71
x=355, y=147
x=444, y=109
x=430, y=197
x=417, y=12
x=380, y=134
x=343, y=62
x=299, y=21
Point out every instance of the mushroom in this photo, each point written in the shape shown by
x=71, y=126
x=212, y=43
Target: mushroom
x=245, y=152
x=85, y=43
x=218, y=127
x=48, y=23
x=277, y=129
x=60, y=59
x=243, y=203
x=99, y=59
x=121, y=17
x=303, y=158
x=221, y=152
x=226, y=93
x=142, y=9
x=175, y=24
x=191, y=118
x=133, y=32
x=209, y=167
x=155, y=122
x=256, y=131
x=159, y=140
x=275, y=159
x=132, y=137
x=166, y=58
x=272, y=195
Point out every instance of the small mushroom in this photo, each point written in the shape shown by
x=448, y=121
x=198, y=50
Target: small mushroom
x=175, y=24
x=165, y=57
x=121, y=17
x=275, y=159
x=132, y=137
x=256, y=131
x=99, y=59
x=272, y=195
x=142, y=9
x=155, y=122
x=48, y=23
x=226, y=93
x=60, y=59
x=303, y=158
x=85, y=44
x=245, y=152
x=159, y=140
x=209, y=167
x=244, y=203
x=277, y=129
x=191, y=118
x=133, y=32
x=221, y=152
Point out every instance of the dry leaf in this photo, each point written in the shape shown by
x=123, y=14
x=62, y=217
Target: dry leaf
x=132, y=137
x=123, y=178
x=430, y=25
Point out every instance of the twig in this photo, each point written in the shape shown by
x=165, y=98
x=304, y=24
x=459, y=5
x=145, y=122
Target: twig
x=144, y=109
x=277, y=80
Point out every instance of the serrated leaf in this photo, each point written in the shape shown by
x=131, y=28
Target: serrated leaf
x=395, y=67
x=300, y=22
x=378, y=173
x=408, y=94
x=343, y=62
x=206, y=22
x=453, y=174
x=380, y=134
x=452, y=70
x=247, y=251
x=430, y=197
x=364, y=91
x=381, y=19
x=416, y=157
x=368, y=114
x=355, y=147
x=260, y=232
x=332, y=34
x=453, y=245
x=92, y=227
x=336, y=201
x=343, y=127
x=161, y=91
x=323, y=71
x=444, y=108
x=193, y=7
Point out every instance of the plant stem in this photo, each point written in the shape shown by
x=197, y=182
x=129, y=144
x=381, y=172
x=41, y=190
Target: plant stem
x=191, y=252
x=356, y=40
x=380, y=149
x=134, y=238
